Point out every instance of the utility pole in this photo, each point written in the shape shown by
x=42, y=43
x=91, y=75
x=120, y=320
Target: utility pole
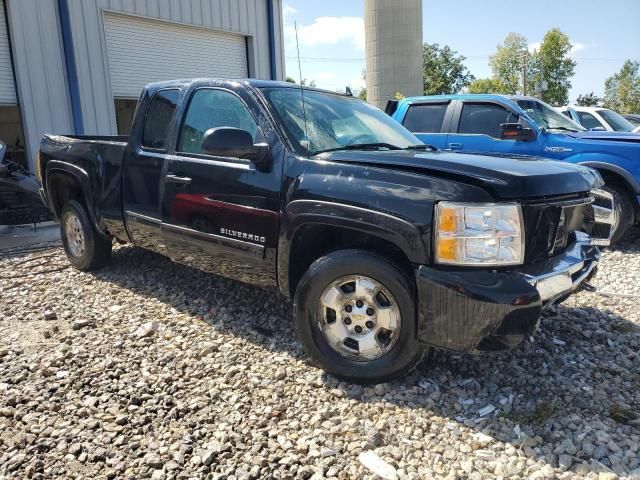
x=525, y=65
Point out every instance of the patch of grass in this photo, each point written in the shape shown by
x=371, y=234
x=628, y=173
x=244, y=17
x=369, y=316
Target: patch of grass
x=621, y=414
x=625, y=327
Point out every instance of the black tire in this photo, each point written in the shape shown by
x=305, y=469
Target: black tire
x=96, y=251
x=402, y=356
x=625, y=214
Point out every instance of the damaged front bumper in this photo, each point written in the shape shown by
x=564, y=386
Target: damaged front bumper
x=482, y=310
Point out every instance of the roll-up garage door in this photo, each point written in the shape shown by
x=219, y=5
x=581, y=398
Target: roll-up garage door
x=7, y=85
x=141, y=50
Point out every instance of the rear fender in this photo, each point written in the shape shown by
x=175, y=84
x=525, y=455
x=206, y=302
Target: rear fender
x=57, y=167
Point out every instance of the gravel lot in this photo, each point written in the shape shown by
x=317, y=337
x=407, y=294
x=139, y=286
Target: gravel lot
x=151, y=369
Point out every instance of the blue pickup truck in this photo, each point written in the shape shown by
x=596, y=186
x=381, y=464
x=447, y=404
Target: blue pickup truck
x=519, y=125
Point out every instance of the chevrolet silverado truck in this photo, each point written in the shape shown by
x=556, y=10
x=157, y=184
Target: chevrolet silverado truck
x=519, y=125
x=385, y=245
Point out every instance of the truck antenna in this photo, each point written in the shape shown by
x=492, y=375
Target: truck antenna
x=304, y=110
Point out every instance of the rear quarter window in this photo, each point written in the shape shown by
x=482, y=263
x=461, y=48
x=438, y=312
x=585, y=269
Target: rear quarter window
x=425, y=118
x=157, y=121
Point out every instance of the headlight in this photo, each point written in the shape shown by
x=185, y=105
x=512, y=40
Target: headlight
x=479, y=234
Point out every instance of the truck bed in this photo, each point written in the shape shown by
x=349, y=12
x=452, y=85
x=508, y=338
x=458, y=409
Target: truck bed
x=85, y=151
x=90, y=138
x=95, y=162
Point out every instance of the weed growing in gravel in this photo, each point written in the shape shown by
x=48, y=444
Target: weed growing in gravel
x=621, y=413
x=543, y=412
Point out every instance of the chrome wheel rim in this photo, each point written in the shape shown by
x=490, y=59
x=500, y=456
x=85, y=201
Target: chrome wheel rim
x=359, y=317
x=75, y=235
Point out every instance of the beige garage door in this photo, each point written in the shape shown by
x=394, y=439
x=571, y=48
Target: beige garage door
x=141, y=50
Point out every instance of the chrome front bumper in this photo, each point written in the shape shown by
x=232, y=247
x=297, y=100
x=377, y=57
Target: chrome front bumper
x=604, y=218
x=564, y=273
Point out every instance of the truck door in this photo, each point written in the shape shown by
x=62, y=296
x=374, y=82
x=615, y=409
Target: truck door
x=220, y=214
x=429, y=121
x=143, y=167
x=476, y=128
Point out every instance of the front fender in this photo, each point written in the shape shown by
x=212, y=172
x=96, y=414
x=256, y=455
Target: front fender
x=387, y=227
x=609, y=163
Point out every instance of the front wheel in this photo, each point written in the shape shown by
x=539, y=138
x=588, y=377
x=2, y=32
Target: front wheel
x=85, y=247
x=355, y=315
x=623, y=211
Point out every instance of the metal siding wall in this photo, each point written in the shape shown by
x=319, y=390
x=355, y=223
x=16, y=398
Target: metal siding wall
x=40, y=71
x=277, y=16
x=141, y=51
x=248, y=17
x=7, y=86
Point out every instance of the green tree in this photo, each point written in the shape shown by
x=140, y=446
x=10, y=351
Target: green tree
x=443, y=70
x=588, y=100
x=362, y=94
x=507, y=63
x=622, y=90
x=304, y=81
x=552, y=63
x=486, y=85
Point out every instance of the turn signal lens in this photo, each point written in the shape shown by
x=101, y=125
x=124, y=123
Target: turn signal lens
x=447, y=220
x=447, y=249
x=479, y=234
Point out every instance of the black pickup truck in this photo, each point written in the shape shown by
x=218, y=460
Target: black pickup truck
x=385, y=245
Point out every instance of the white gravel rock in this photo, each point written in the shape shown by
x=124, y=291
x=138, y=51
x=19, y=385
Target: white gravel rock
x=377, y=465
x=177, y=374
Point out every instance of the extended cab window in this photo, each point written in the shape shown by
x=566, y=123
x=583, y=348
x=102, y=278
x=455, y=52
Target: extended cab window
x=210, y=108
x=425, y=118
x=588, y=121
x=484, y=119
x=157, y=121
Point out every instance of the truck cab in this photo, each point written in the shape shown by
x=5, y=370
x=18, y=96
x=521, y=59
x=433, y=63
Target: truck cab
x=518, y=125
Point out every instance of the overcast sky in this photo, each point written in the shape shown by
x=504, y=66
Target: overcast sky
x=331, y=34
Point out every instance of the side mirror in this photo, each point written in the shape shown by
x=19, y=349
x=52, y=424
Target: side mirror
x=515, y=131
x=234, y=142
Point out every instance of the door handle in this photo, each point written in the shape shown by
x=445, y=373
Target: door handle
x=170, y=178
x=455, y=146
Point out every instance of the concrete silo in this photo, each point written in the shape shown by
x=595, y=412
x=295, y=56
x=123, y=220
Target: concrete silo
x=393, y=37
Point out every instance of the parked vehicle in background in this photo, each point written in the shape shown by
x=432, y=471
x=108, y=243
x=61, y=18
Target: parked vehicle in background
x=20, y=201
x=519, y=125
x=597, y=118
x=633, y=118
x=384, y=245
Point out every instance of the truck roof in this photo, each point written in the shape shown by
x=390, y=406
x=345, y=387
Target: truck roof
x=463, y=96
x=250, y=82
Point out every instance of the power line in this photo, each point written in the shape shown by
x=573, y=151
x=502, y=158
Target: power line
x=475, y=57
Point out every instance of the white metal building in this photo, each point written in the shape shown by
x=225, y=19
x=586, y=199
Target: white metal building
x=77, y=66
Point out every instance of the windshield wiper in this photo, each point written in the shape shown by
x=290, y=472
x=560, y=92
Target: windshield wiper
x=360, y=146
x=563, y=128
x=422, y=146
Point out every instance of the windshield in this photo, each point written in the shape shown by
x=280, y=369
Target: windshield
x=334, y=122
x=617, y=121
x=547, y=117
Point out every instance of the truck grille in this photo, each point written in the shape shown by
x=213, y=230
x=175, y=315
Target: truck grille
x=555, y=221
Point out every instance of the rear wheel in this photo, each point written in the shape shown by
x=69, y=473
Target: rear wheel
x=85, y=247
x=624, y=211
x=355, y=315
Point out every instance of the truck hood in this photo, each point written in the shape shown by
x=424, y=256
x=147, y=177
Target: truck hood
x=506, y=177
x=611, y=136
